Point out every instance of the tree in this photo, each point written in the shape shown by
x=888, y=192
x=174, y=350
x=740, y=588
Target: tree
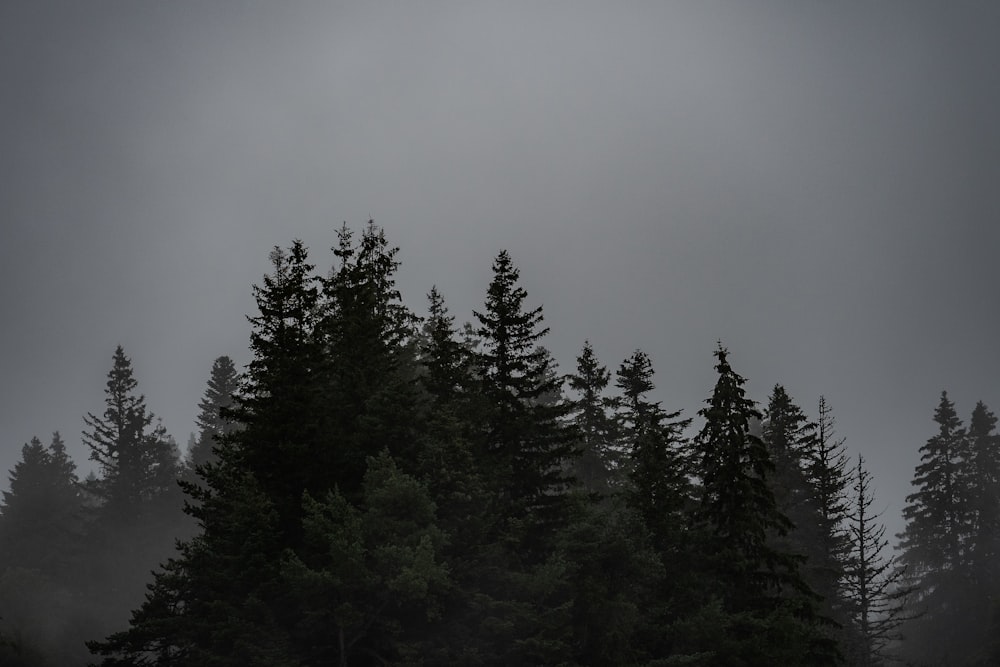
x=934, y=512
x=137, y=511
x=598, y=461
x=523, y=593
x=875, y=589
x=652, y=439
x=136, y=458
x=41, y=520
x=212, y=420
x=525, y=441
x=827, y=474
x=804, y=487
x=753, y=593
x=371, y=589
x=933, y=544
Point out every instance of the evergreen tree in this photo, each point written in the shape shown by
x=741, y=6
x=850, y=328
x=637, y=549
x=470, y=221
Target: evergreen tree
x=827, y=473
x=759, y=608
x=805, y=492
x=526, y=443
x=137, y=503
x=982, y=489
x=653, y=441
x=370, y=591
x=523, y=595
x=212, y=419
x=933, y=545
x=934, y=512
x=598, y=461
x=369, y=371
x=874, y=584
x=136, y=458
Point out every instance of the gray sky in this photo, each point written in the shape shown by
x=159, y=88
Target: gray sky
x=813, y=183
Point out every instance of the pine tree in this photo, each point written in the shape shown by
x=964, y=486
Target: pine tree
x=212, y=419
x=525, y=451
x=652, y=439
x=598, y=462
x=368, y=338
x=759, y=608
x=526, y=442
x=136, y=458
x=932, y=543
x=874, y=584
x=40, y=520
x=934, y=512
x=804, y=492
x=826, y=471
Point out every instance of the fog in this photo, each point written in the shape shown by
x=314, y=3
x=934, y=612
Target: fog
x=813, y=185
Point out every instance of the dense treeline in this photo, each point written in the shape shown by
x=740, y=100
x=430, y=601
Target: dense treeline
x=378, y=488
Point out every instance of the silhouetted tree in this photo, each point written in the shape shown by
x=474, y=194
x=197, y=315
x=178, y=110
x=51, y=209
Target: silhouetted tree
x=756, y=609
x=212, y=419
x=875, y=586
x=598, y=461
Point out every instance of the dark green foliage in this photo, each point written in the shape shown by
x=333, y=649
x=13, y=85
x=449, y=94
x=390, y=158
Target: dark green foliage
x=369, y=591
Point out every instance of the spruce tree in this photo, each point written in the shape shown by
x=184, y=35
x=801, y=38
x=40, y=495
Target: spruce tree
x=41, y=516
x=136, y=458
x=137, y=512
x=652, y=439
x=369, y=370
x=527, y=449
x=525, y=441
x=827, y=473
x=598, y=462
x=805, y=491
x=212, y=420
x=761, y=610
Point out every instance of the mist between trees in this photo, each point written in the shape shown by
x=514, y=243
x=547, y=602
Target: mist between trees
x=378, y=488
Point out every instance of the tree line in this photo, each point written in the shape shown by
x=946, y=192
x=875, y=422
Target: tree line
x=378, y=488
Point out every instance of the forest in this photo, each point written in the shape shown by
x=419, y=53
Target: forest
x=381, y=487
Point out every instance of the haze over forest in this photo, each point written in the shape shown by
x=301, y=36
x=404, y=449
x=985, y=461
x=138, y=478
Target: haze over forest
x=812, y=185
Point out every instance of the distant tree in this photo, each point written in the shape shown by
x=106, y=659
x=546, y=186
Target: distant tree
x=932, y=545
x=137, y=460
x=598, y=461
x=212, y=420
x=137, y=503
x=827, y=473
x=876, y=592
x=805, y=483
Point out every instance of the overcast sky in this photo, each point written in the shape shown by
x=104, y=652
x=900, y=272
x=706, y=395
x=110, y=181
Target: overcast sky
x=813, y=183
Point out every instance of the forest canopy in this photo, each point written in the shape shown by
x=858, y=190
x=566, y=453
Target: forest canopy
x=379, y=487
